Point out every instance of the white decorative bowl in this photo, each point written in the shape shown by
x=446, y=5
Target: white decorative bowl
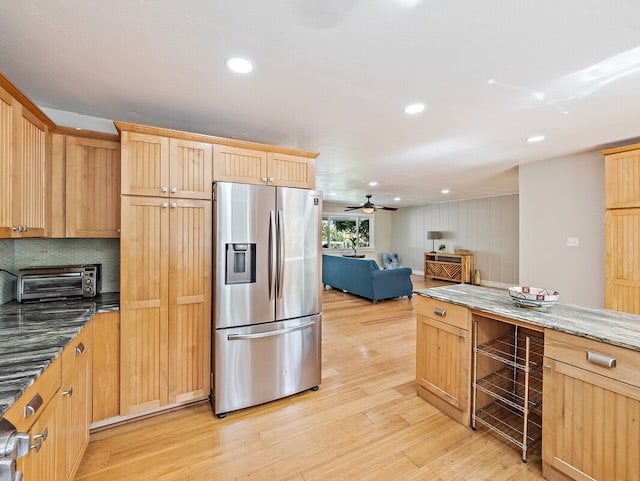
x=533, y=296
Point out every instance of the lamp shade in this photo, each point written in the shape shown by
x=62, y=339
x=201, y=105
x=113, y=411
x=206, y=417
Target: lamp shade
x=434, y=234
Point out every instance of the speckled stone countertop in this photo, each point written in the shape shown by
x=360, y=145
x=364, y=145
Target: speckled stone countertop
x=612, y=327
x=33, y=335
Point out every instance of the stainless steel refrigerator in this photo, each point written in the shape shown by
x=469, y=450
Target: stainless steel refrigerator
x=267, y=288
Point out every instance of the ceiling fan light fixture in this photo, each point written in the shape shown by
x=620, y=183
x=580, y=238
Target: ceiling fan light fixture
x=368, y=210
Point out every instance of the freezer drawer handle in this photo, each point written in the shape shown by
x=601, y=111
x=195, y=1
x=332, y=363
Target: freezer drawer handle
x=242, y=337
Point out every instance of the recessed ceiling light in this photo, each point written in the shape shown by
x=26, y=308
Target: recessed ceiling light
x=373, y=183
x=535, y=138
x=444, y=191
x=239, y=65
x=414, y=109
x=538, y=95
x=397, y=199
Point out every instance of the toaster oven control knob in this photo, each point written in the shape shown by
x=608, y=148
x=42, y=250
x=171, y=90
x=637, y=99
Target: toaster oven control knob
x=89, y=281
x=88, y=289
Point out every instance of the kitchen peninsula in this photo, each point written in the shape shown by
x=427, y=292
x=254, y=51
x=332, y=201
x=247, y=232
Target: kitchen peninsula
x=583, y=404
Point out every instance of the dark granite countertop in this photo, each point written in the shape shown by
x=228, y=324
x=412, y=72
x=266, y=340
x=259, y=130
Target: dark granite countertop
x=612, y=327
x=33, y=335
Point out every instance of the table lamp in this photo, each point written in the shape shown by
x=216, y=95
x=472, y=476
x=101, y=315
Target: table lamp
x=432, y=235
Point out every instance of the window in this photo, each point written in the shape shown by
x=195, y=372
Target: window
x=347, y=232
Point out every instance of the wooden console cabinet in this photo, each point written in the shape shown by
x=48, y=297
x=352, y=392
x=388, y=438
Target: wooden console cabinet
x=448, y=267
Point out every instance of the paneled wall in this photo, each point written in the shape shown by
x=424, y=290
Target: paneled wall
x=487, y=227
x=17, y=254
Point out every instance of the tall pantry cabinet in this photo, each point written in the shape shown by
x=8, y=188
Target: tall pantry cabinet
x=165, y=302
x=622, y=229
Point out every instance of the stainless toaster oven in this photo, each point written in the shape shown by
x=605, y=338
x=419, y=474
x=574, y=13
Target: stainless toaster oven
x=58, y=282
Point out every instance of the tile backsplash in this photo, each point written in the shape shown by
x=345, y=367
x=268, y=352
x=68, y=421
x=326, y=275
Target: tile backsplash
x=22, y=253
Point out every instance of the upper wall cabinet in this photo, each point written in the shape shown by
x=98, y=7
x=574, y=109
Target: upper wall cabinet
x=235, y=164
x=159, y=166
x=92, y=188
x=622, y=178
x=23, y=164
x=170, y=163
x=84, y=184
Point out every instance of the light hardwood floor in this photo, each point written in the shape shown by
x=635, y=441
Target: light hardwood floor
x=365, y=423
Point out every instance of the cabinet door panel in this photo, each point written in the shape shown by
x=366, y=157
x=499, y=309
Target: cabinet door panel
x=622, y=260
x=234, y=164
x=622, y=180
x=591, y=424
x=189, y=300
x=41, y=464
x=106, y=366
x=291, y=170
x=92, y=188
x=144, y=292
x=190, y=169
x=145, y=164
x=6, y=163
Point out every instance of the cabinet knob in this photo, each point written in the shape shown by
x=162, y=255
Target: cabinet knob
x=165, y=205
x=68, y=392
x=174, y=190
x=164, y=190
x=79, y=349
x=39, y=439
x=16, y=228
x=270, y=179
x=174, y=205
x=264, y=179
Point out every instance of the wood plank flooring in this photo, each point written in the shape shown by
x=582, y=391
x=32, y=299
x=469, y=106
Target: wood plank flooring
x=365, y=423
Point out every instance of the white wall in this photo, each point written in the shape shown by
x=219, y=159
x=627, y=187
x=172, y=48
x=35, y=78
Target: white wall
x=559, y=198
x=487, y=227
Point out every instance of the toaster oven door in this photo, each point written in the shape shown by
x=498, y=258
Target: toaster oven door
x=51, y=286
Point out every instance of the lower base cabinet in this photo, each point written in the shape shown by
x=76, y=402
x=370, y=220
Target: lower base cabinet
x=443, y=357
x=591, y=415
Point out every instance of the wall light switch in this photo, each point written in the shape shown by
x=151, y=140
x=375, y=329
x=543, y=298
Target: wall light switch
x=573, y=242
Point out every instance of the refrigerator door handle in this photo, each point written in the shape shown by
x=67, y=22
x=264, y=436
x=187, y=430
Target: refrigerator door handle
x=272, y=255
x=281, y=255
x=243, y=337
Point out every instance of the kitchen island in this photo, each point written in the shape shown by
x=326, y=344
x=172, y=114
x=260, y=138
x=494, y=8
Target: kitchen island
x=567, y=375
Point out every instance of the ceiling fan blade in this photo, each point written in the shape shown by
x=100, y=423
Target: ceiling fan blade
x=386, y=208
x=353, y=208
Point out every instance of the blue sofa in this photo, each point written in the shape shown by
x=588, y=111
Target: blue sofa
x=364, y=278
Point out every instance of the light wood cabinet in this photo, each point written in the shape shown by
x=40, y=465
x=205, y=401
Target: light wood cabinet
x=622, y=229
x=443, y=357
x=165, y=302
x=106, y=366
x=591, y=412
x=92, y=188
x=23, y=166
x=448, y=267
x=41, y=463
x=154, y=165
x=249, y=166
x=74, y=400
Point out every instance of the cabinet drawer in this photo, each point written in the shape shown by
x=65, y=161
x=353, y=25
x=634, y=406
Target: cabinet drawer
x=34, y=400
x=593, y=356
x=444, y=312
x=76, y=352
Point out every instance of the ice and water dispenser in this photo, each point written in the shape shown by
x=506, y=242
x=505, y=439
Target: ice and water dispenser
x=241, y=264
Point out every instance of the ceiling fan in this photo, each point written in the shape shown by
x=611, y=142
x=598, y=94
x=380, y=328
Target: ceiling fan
x=368, y=207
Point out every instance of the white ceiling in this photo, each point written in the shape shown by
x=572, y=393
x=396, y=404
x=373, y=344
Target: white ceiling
x=333, y=76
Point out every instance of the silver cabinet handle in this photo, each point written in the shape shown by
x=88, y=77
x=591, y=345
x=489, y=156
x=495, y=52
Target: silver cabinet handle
x=68, y=392
x=258, y=335
x=16, y=228
x=164, y=190
x=601, y=360
x=546, y=366
x=39, y=439
x=79, y=349
x=270, y=179
x=264, y=179
x=174, y=205
x=165, y=205
x=174, y=190
x=439, y=312
x=26, y=228
x=32, y=406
